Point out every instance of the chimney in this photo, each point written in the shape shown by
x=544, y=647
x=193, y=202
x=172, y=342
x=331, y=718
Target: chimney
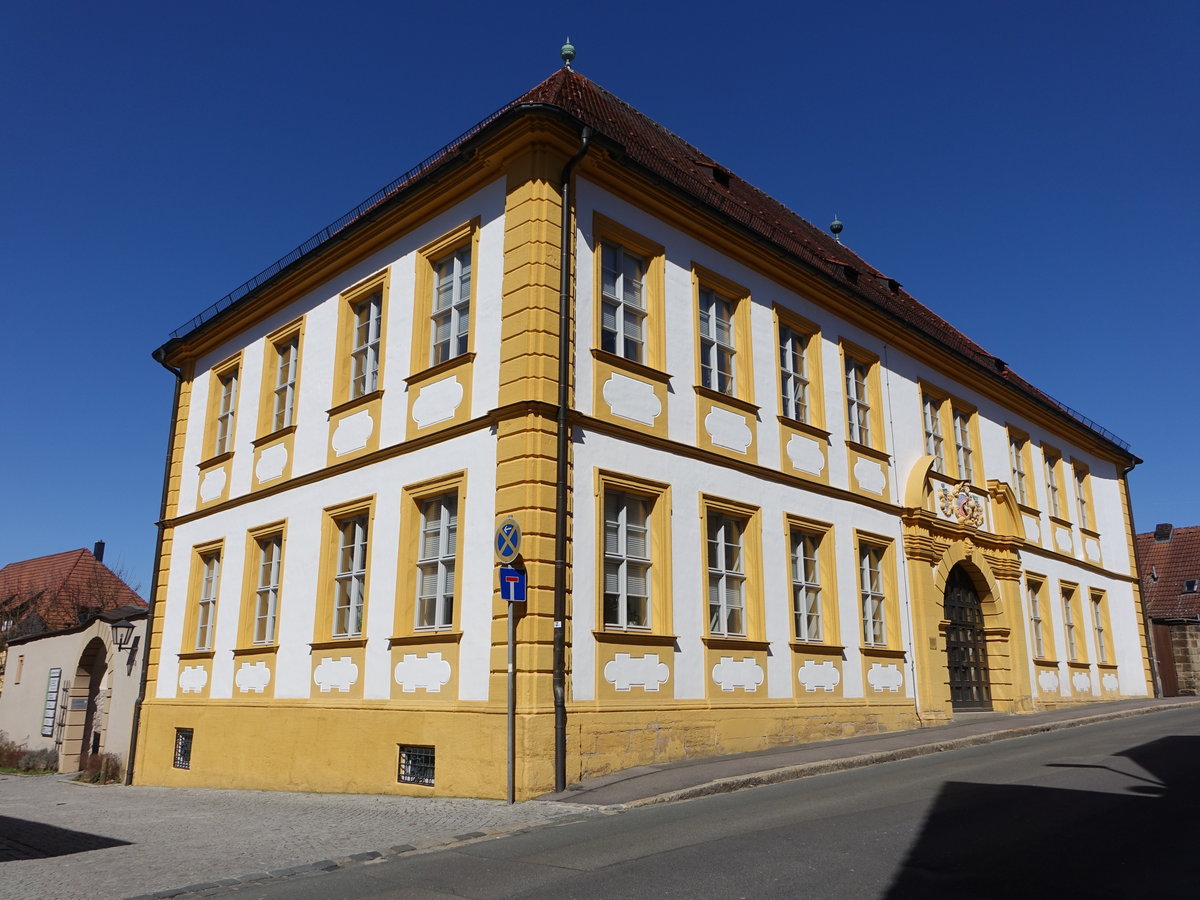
x=98, y=551
x=1162, y=533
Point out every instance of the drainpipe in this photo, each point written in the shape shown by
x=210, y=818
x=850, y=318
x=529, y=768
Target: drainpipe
x=1147, y=625
x=160, y=358
x=560, y=482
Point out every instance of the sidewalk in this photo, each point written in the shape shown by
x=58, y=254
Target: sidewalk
x=683, y=780
x=60, y=840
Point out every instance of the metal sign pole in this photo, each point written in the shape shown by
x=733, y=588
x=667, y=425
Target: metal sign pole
x=512, y=698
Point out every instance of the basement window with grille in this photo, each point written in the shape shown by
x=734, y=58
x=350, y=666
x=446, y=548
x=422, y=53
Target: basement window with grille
x=416, y=765
x=183, y=748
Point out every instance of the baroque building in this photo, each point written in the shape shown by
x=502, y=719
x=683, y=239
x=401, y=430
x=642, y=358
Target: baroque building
x=765, y=495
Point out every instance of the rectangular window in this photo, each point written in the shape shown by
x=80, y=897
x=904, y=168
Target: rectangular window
x=206, y=605
x=451, y=325
x=287, y=359
x=19, y=669
x=1068, y=602
x=226, y=411
x=726, y=575
x=364, y=352
x=626, y=560
x=1098, y=623
x=962, y=445
x=1033, y=592
x=1016, y=458
x=622, y=303
x=716, y=342
x=183, y=748
x=793, y=373
x=1052, y=501
x=934, y=443
x=416, y=765
x=870, y=577
x=1081, y=497
x=806, y=584
x=350, y=583
x=266, y=593
x=858, y=401
x=436, y=562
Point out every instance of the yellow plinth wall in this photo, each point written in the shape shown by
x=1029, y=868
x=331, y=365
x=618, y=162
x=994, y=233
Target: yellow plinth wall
x=355, y=748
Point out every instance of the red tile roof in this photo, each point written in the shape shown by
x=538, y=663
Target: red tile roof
x=673, y=161
x=1166, y=567
x=51, y=593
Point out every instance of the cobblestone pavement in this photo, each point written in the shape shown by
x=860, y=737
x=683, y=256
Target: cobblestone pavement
x=60, y=840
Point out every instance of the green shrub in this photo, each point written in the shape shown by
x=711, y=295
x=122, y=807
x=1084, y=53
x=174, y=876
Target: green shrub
x=10, y=753
x=45, y=760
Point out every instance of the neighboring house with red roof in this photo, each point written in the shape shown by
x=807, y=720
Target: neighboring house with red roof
x=748, y=490
x=1169, y=558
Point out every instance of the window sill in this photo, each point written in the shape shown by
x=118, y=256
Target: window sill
x=1062, y=523
x=445, y=636
x=1044, y=661
x=637, y=368
x=1088, y=533
x=347, y=405
x=255, y=649
x=273, y=436
x=728, y=399
x=885, y=652
x=1081, y=664
x=804, y=428
x=463, y=359
x=645, y=638
x=347, y=643
x=197, y=654
x=215, y=460
x=721, y=642
x=816, y=647
x=1029, y=510
x=867, y=450
x=1107, y=666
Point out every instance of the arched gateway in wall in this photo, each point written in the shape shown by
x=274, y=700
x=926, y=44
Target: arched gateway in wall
x=966, y=644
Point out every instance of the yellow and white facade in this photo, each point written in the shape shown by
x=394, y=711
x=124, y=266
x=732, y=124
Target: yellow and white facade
x=774, y=488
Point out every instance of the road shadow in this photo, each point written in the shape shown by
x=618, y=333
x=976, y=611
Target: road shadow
x=1006, y=841
x=22, y=839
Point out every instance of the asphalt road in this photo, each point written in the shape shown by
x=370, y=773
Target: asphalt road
x=1107, y=810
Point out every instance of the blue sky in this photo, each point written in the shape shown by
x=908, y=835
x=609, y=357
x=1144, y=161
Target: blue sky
x=1028, y=170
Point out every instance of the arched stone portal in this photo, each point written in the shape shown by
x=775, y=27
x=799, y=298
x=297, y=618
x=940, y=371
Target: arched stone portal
x=85, y=719
x=966, y=644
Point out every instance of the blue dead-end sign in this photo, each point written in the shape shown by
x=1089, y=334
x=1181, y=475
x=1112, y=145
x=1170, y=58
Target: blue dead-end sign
x=512, y=584
x=508, y=540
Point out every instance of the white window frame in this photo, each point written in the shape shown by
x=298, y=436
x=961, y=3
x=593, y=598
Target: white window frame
x=626, y=525
x=1052, y=504
x=451, y=306
x=963, y=451
x=931, y=409
x=1016, y=458
x=858, y=401
x=206, y=611
x=623, y=302
x=806, y=584
x=266, y=594
x=1033, y=591
x=1072, y=647
x=350, y=582
x=1081, y=502
x=437, y=557
x=726, y=545
x=871, y=592
x=287, y=364
x=364, y=357
x=226, y=411
x=793, y=373
x=1098, y=624
x=717, y=343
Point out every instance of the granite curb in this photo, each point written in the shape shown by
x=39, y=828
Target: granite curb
x=370, y=856
x=733, y=783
